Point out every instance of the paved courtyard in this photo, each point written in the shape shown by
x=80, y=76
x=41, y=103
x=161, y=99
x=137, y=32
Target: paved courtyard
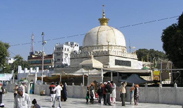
x=44, y=102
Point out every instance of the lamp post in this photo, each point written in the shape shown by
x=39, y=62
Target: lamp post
x=43, y=43
x=161, y=72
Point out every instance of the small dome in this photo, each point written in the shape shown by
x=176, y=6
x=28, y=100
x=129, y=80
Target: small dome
x=104, y=35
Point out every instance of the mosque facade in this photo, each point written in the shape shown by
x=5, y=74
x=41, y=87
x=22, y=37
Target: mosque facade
x=106, y=45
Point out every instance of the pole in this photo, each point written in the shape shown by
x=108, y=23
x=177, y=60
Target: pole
x=102, y=76
x=42, y=56
x=171, y=74
x=88, y=76
x=161, y=73
x=61, y=77
x=13, y=76
x=83, y=79
x=111, y=76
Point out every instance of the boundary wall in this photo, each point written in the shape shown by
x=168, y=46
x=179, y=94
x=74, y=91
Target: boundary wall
x=164, y=95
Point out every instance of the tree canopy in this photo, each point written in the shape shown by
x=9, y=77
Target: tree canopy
x=172, y=38
x=19, y=62
x=3, y=53
x=149, y=55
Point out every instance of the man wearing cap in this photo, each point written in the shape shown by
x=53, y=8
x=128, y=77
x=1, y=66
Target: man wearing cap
x=108, y=90
x=123, y=92
x=22, y=100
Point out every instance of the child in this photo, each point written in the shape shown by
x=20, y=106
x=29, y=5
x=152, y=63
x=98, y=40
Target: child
x=87, y=95
x=35, y=104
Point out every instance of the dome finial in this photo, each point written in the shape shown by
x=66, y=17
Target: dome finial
x=103, y=20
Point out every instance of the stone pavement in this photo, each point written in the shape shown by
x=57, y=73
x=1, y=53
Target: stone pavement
x=44, y=102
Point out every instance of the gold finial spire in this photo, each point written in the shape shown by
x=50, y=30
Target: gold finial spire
x=103, y=20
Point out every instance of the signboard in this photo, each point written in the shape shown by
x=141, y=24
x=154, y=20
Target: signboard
x=156, y=73
x=123, y=63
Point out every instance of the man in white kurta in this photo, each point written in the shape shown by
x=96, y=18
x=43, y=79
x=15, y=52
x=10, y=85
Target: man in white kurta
x=58, y=89
x=22, y=100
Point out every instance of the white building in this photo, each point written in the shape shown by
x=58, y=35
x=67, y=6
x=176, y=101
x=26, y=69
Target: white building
x=10, y=60
x=106, y=45
x=62, y=53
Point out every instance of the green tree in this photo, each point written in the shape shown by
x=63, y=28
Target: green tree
x=148, y=55
x=172, y=38
x=19, y=62
x=3, y=54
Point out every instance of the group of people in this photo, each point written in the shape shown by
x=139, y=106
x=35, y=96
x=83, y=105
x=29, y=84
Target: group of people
x=106, y=93
x=134, y=94
x=58, y=92
x=22, y=99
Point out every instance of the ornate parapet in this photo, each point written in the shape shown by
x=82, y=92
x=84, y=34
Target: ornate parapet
x=103, y=51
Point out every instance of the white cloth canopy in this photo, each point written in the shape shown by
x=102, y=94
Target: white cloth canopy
x=6, y=77
x=85, y=72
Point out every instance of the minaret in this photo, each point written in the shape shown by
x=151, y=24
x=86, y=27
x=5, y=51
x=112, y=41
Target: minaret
x=32, y=45
x=103, y=20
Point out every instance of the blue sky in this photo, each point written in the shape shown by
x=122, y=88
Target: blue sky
x=141, y=21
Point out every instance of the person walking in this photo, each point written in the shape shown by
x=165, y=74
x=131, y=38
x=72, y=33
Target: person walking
x=136, y=94
x=104, y=93
x=108, y=90
x=113, y=95
x=64, y=92
x=100, y=92
x=132, y=94
x=58, y=89
x=15, y=90
x=1, y=93
x=92, y=93
x=123, y=92
x=22, y=100
x=51, y=87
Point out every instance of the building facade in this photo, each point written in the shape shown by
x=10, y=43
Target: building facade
x=62, y=53
x=35, y=60
x=106, y=45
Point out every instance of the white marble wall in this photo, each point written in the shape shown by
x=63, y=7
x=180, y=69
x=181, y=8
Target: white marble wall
x=166, y=95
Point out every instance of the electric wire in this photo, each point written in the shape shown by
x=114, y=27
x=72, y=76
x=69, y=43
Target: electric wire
x=76, y=35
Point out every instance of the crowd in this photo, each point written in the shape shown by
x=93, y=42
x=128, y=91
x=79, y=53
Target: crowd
x=106, y=93
x=22, y=99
